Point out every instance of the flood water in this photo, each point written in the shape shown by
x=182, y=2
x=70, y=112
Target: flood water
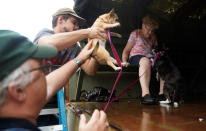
x=133, y=116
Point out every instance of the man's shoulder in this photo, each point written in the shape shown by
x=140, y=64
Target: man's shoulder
x=46, y=30
x=42, y=33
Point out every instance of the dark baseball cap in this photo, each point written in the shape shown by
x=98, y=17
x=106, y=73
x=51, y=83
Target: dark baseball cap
x=64, y=11
x=15, y=49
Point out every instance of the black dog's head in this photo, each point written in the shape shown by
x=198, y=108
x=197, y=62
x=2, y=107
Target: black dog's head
x=162, y=63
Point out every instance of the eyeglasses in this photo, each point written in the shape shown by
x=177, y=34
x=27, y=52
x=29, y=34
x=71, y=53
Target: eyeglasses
x=149, y=29
x=46, y=68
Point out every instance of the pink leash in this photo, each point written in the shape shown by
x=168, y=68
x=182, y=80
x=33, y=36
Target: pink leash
x=119, y=64
x=120, y=73
x=133, y=83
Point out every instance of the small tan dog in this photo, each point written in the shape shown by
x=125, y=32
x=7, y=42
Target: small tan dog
x=105, y=21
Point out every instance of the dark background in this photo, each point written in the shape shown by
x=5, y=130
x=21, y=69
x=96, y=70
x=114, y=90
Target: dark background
x=182, y=29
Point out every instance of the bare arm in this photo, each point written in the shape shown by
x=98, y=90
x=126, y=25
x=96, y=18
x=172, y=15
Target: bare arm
x=67, y=39
x=58, y=78
x=126, y=51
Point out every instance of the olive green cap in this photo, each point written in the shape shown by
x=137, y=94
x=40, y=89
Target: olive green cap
x=15, y=49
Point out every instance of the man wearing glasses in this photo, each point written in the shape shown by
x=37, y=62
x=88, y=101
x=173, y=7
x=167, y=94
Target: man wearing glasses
x=25, y=89
x=65, y=35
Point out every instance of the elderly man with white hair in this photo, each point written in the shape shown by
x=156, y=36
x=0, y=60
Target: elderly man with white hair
x=25, y=89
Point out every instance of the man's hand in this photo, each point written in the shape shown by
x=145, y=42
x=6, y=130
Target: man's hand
x=98, y=122
x=97, y=32
x=85, y=52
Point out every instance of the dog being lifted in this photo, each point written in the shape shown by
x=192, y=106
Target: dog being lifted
x=174, y=84
x=105, y=21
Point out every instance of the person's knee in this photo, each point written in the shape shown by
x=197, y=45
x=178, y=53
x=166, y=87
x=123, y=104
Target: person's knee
x=144, y=61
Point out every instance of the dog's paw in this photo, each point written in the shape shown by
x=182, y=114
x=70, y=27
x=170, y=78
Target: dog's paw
x=176, y=104
x=165, y=102
x=118, y=68
x=117, y=24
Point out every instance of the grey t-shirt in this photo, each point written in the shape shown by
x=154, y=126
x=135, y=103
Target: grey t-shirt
x=64, y=55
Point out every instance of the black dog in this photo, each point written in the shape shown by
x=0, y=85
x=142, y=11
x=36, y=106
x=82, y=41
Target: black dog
x=174, y=83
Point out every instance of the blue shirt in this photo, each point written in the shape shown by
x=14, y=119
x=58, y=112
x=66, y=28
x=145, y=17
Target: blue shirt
x=16, y=124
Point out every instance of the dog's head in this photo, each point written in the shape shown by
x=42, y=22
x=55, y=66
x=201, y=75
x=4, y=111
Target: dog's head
x=161, y=61
x=110, y=17
x=161, y=52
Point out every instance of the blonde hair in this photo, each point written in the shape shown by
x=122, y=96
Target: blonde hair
x=151, y=21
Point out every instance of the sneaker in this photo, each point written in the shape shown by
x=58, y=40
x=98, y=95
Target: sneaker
x=147, y=100
x=161, y=97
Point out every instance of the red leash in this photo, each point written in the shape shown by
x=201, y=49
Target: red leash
x=119, y=64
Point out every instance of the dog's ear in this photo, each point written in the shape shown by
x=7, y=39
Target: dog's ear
x=111, y=12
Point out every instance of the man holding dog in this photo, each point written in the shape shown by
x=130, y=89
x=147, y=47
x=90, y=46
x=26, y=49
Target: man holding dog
x=65, y=35
x=24, y=87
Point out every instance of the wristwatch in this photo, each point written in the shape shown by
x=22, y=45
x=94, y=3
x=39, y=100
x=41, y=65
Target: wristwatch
x=79, y=63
